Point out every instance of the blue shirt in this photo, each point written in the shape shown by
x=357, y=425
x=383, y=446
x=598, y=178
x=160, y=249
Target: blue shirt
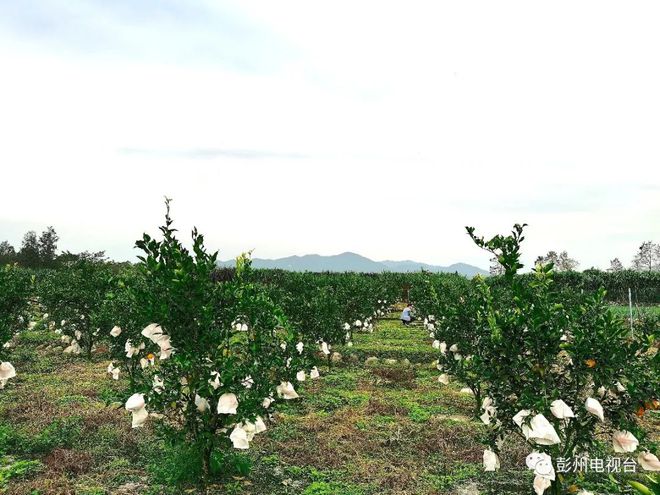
x=405, y=315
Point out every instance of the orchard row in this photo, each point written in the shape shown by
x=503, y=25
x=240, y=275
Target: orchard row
x=208, y=353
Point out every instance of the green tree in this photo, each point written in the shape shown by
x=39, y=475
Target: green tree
x=75, y=295
x=15, y=290
x=7, y=253
x=48, y=247
x=562, y=371
x=28, y=256
x=216, y=353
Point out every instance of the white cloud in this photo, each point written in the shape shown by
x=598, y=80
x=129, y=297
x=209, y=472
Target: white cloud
x=292, y=127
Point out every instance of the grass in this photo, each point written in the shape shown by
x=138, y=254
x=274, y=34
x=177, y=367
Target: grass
x=624, y=311
x=392, y=340
x=386, y=428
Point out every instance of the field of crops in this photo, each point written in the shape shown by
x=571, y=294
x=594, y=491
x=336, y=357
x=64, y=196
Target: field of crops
x=171, y=376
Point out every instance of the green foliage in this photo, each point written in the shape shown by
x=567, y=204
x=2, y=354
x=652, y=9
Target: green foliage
x=120, y=309
x=320, y=488
x=48, y=247
x=537, y=345
x=177, y=464
x=523, y=340
x=35, y=252
x=90, y=490
x=647, y=325
x=325, y=306
x=180, y=463
x=644, y=285
x=452, y=319
x=61, y=433
x=651, y=486
x=7, y=438
x=392, y=341
x=12, y=469
x=73, y=296
x=419, y=414
x=7, y=253
x=28, y=256
x=15, y=289
x=455, y=474
x=505, y=248
x=331, y=488
x=205, y=340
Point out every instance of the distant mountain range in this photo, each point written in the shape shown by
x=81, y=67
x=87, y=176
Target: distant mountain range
x=351, y=262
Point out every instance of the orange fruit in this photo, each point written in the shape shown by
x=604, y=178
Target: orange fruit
x=591, y=363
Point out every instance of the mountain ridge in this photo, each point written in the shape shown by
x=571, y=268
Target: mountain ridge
x=353, y=262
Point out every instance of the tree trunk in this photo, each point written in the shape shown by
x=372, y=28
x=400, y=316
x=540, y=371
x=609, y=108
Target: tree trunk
x=206, y=463
x=477, y=399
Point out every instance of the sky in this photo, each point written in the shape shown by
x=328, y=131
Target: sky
x=294, y=127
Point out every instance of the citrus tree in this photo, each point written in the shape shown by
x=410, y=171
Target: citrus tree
x=120, y=319
x=15, y=289
x=461, y=338
x=449, y=304
x=563, y=374
x=222, y=352
x=73, y=295
x=328, y=307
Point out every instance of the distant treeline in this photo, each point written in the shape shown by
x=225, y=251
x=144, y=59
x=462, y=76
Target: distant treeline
x=40, y=252
x=644, y=285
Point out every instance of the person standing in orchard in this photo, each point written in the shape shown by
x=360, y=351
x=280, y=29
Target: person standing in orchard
x=406, y=316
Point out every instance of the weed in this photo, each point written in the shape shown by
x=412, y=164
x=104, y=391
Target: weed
x=12, y=469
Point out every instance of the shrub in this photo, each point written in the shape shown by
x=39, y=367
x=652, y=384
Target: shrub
x=73, y=296
x=457, y=336
x=15, y=287
x=562, y=372
x=121, y=323
x=220, y=351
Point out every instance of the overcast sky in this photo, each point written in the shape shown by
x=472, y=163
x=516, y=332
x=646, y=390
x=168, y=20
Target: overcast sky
x=297, y=127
